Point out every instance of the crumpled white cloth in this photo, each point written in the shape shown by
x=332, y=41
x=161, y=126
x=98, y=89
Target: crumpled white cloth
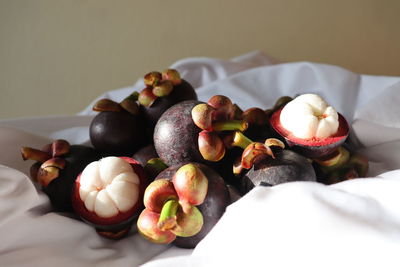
x=304, y=224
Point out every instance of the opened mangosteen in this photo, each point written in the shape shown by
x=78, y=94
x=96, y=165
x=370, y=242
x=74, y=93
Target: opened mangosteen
x=163, y=90
x=183, y=204
x=310, y=126
x=108, y=195
x=315, y=130
x=118, y=129
x=56, y=168
x=193, y=131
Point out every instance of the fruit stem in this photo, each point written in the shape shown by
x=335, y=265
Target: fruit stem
x=167, y=219
x=240, y=140
x=233, y=125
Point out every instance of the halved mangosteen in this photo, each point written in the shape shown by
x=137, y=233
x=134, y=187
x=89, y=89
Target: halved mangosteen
x=108, y=195
x=320, y=129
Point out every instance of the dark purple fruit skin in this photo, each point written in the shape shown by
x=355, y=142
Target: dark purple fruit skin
x=183, y=91
x=145, y=154
x=176, y=136
x=288, y=166
x=60, y=189
x=117, y=133
x=213, y=207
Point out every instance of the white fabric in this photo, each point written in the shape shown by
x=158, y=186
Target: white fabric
x=296, y=224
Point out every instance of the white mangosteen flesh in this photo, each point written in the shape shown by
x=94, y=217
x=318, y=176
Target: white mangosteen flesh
x=309, y=116
x=109, y=187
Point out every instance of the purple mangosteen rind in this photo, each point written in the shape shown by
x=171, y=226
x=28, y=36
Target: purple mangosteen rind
x=311, y=148
x=287, y=166
x=113, y=228
x=213, y=207
x=117, y=133
x=176, y=136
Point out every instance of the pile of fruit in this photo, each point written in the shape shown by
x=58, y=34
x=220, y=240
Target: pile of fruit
x=169, y=164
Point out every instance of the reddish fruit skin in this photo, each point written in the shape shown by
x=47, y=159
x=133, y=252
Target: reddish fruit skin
x=311, y=148
x=182, y=92
x=213, y=207
x=176, y=135
x=122, y=220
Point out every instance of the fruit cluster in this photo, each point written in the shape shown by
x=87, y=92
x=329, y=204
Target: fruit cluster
x=171, y=164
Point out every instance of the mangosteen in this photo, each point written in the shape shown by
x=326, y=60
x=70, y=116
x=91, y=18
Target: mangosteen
x=162, y=91
x=108, y=195
x=310, y=126
x=183, y=204
x=175, y=135
x=268, y=164
x=58, y=164
x=193, y=131
x=285, y=166
x=118, y=129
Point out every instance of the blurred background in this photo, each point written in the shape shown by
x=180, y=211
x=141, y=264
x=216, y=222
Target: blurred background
x=57, y=56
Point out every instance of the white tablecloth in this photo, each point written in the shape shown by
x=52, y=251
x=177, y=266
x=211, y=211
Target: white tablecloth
x=295, y=224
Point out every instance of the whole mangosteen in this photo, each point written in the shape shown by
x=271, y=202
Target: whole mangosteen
x=118, y=129
x=163, y=90
x=183, y=204
x=56, y=168
x=194, y=131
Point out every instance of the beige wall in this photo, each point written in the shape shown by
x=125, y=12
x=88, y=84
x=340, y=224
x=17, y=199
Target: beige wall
x=58, y=55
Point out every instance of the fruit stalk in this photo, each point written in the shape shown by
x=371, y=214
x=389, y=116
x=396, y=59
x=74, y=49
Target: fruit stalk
x=167, y=220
